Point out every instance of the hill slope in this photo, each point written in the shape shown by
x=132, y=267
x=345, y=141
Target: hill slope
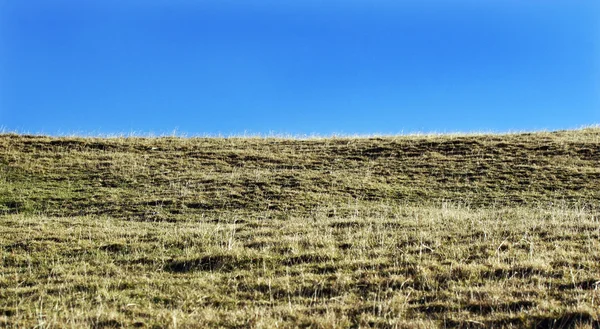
x=176, y=178
x=471, y=231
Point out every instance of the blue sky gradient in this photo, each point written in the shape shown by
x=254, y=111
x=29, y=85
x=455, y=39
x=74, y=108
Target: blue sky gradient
x=298, y=67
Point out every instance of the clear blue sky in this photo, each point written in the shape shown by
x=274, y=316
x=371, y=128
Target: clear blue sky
x=298, y=67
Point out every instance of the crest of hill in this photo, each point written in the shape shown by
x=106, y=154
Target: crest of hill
x=175, y=179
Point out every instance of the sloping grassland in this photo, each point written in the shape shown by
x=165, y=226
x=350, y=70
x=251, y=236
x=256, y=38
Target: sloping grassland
x=449, y=231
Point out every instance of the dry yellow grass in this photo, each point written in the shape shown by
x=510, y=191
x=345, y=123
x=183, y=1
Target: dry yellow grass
x=482, y=231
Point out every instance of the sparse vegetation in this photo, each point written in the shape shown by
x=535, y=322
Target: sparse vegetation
x=462, y=231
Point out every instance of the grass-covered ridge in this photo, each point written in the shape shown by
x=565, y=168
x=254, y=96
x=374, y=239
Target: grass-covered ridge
x=175, y=178
x=470, y=231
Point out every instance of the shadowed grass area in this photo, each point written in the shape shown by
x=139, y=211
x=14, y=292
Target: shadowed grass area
x=472, y=231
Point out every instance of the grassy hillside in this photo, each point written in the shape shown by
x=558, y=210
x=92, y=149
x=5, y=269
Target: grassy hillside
x=470, y=231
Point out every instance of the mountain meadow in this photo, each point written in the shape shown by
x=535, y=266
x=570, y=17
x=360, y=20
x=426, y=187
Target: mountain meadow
x=415, y=231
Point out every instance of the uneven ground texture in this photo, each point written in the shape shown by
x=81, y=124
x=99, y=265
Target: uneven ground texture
x=455, y=231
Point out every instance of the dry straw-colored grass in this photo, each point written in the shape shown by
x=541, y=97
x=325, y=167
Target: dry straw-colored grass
x=473, y=231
